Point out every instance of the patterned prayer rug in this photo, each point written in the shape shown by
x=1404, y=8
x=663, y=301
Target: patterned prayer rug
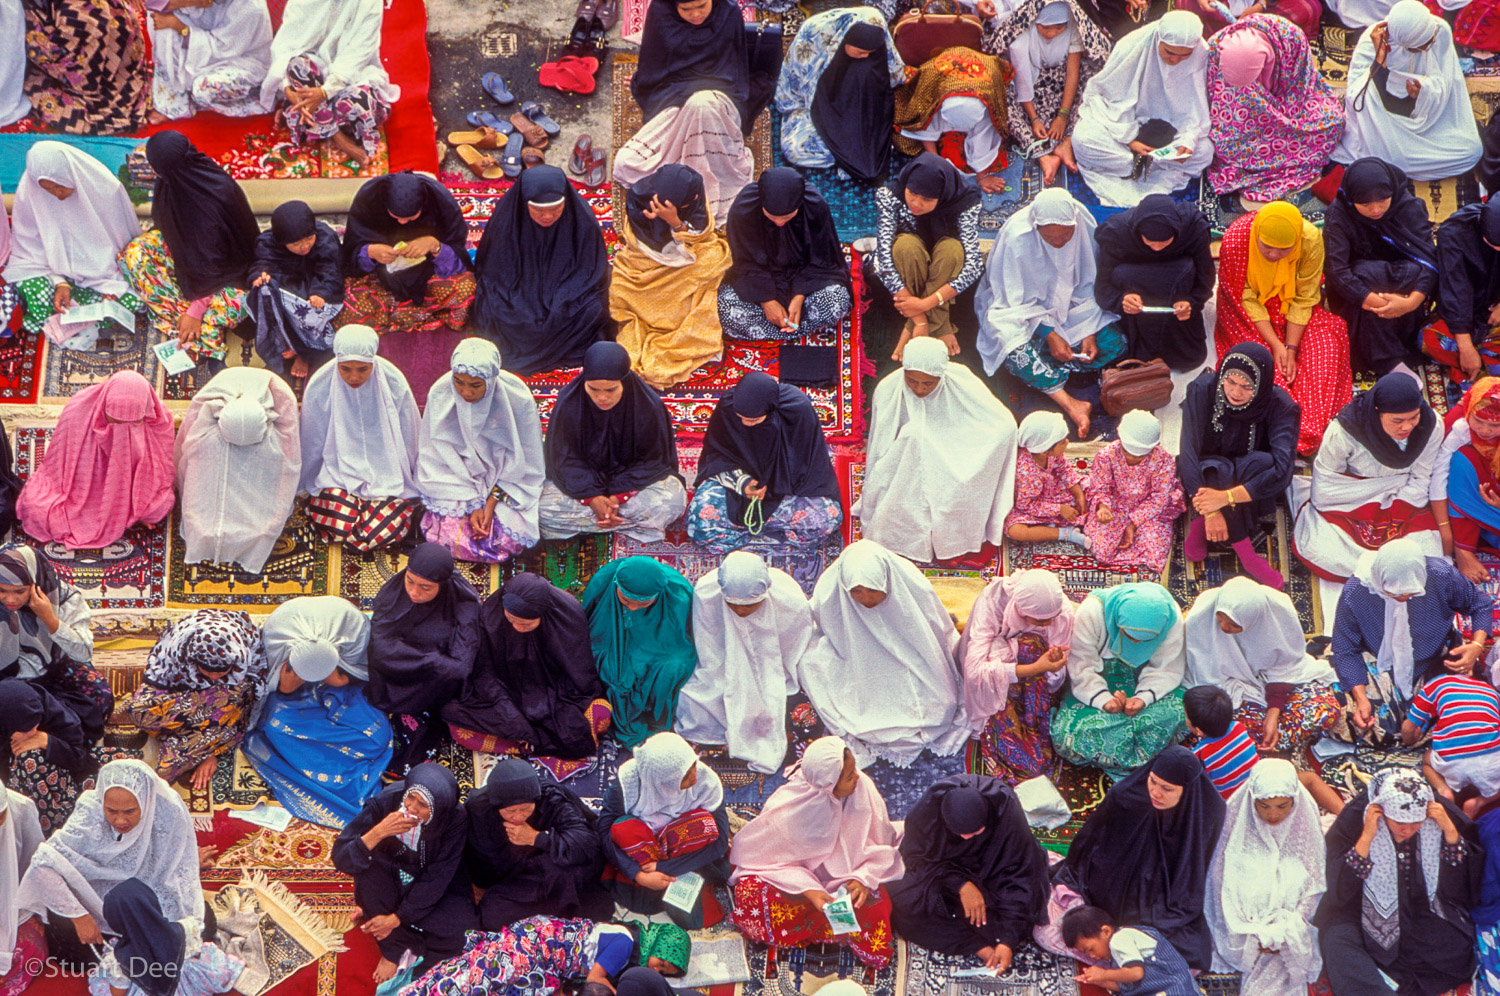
x=300, y=564
x=568, y=564
x=777, y=971
x=274, y=934
x=20, y=368
x=1033, y=972
x=69, y=371
x=1082, y=789
x=1186, y=581
x=127, y=574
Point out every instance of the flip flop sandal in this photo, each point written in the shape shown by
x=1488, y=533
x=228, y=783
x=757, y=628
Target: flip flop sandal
x=484, y=119
x=583, y=155
x=532, y=157
x=479, y=164
x=484, y=138
x=494, y=85
x=510, y=161
x=534, y=111
x=587, y=63
x=595, y=175
x=567, y=75
x=530, y=130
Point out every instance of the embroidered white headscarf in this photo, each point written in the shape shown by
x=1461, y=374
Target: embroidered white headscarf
x=1397, y=568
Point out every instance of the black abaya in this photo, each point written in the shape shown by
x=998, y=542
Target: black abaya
x=1183, y=271
x=778, y=262
x=203, y=215
x=854, y=105
x=317, y=273
x=1468, y=269
x=372, y=221
x=1392, y=254
x=1144, y=865
x=532, y=687
x=678, y=59
x=591, y=452
x=25, y=706
x=543, y=292
x=1005, y=862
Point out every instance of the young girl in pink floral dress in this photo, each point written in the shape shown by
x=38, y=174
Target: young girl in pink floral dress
x=1134, y=497
x=1049, y=497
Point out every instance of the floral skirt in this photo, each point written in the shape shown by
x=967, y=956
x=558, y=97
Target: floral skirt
x=148, y=266
x=356, y=109
x=533, y=957
x=1487, y=950
x=446, y=305
x=1032, y=362
x=1016, y=743
x=1112, y=740
x=87, y=71
x=764, y=913
x=505, y=540
x=27, y=959
x=191, y=727
x=1311, y=711
x=53, y=789
x=361, y=524
x=797, y=521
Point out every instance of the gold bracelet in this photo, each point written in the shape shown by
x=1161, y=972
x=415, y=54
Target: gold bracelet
x=1229, y=497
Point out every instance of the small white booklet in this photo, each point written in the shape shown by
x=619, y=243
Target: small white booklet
x=97, y=312
x=1169, y=153
x=840, y=914
x=974, y=973
x=176, y=361
x=683, y=893
x=270, y=817
x=1157, y=309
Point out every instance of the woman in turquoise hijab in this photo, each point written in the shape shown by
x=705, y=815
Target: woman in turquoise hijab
x=640, y=624
x=1125, y=668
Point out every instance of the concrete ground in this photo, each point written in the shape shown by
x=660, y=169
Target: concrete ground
x=467, y=38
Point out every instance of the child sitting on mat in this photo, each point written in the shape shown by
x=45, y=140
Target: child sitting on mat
x=1049, y=494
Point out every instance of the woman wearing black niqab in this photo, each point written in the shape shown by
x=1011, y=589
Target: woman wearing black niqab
x=854, y=105
x=789, y=276
x=1182, y=271
x=1143, y=855
x=534, y=684
x=610, y=468
x=296, y=292
x=412, y=870
x=401, y=208
x=765, y=472
x=543, y=284
x=190, y=274
x=424, y=634
x=1388, y=263
x=533, y=849
x=969, y=831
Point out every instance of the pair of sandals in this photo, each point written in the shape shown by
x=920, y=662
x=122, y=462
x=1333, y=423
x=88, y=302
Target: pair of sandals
x=570, y=74
x=586, y=163
x=591, y=24
x=521, y=140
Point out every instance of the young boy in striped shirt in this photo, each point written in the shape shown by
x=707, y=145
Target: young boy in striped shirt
x=1463, y=714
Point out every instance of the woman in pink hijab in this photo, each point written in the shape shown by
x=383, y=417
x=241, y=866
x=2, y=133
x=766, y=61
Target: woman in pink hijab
x=107, y=467
x=1014, y=653
x=825, y=831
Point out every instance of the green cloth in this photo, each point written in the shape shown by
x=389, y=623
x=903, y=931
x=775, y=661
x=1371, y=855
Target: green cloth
x=666, y=941
x=1137, y=618
x=1114, y=741
x=644, y=656
x=37, y=292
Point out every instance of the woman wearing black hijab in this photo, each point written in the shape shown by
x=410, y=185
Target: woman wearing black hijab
x=765, y=473
x=1468, y=249
x=611, y=458
x=789, y=275
x=976, y=879
x=190, y=269
x=543, y=275
x=394, y=220
x=1238, y=443
x=1371, y=479
x=665, y=284
x=154, y=956
x=1143, y=855
x=424, y=633
x=1380, y=265
x=927, y=245
x=693, y=85
x=53, y=750
x=1157, y=255
x=533, y=849
x=405, y=852
x=534, y=687
x=297, y=281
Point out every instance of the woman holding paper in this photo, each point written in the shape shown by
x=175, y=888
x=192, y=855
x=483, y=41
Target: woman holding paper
x=810, y=869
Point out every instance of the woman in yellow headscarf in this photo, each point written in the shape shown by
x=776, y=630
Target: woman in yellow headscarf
x=1271, y=291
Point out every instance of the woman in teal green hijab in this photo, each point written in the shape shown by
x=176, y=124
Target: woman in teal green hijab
x=640, y=624
x=1125, y=667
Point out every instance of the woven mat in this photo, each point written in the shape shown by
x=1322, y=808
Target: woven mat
x=264, y=925
x=1033, y=972
x=300, y=564
x=804, y=971
x=1187, y=581
x=20, y=368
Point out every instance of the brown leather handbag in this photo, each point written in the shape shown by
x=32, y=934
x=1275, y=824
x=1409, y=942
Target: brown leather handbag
x=1132, y=384
x=920, y=34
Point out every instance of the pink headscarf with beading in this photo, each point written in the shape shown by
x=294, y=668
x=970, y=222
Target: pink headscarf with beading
x=996, y=625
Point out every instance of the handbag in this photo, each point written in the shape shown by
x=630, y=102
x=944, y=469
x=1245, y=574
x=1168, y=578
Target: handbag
x=919, y=35
x=1132, y=384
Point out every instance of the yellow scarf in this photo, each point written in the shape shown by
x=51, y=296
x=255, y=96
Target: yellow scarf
x=1279, y=226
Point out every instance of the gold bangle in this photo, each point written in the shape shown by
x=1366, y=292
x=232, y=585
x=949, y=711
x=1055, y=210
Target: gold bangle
x=1229, y=497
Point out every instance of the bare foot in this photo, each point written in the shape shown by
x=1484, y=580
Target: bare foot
x=157, y=117
x=1050, y=164
x=1064, y=151
x=346, y=144
x=1469, y=566
x=992, y=183
x=299, y=367
x=901, y=342
x=1076, y=410
x=385, y=971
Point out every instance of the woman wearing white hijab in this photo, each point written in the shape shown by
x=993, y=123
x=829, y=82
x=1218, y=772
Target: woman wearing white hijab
x=238, y=458
x=1265, y=882
x=1406, y=103
x=1399, y=608
x=1246, y=639
x=23, y=948
x=479, y=458
x=923, y=497
x=211, y=58
x=881, y=674
x=14, y=104
x=132, y=824
x=1037, y=313
x=1157, y=76
x=359, y=445
x=71, y=219
x=751, y=626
